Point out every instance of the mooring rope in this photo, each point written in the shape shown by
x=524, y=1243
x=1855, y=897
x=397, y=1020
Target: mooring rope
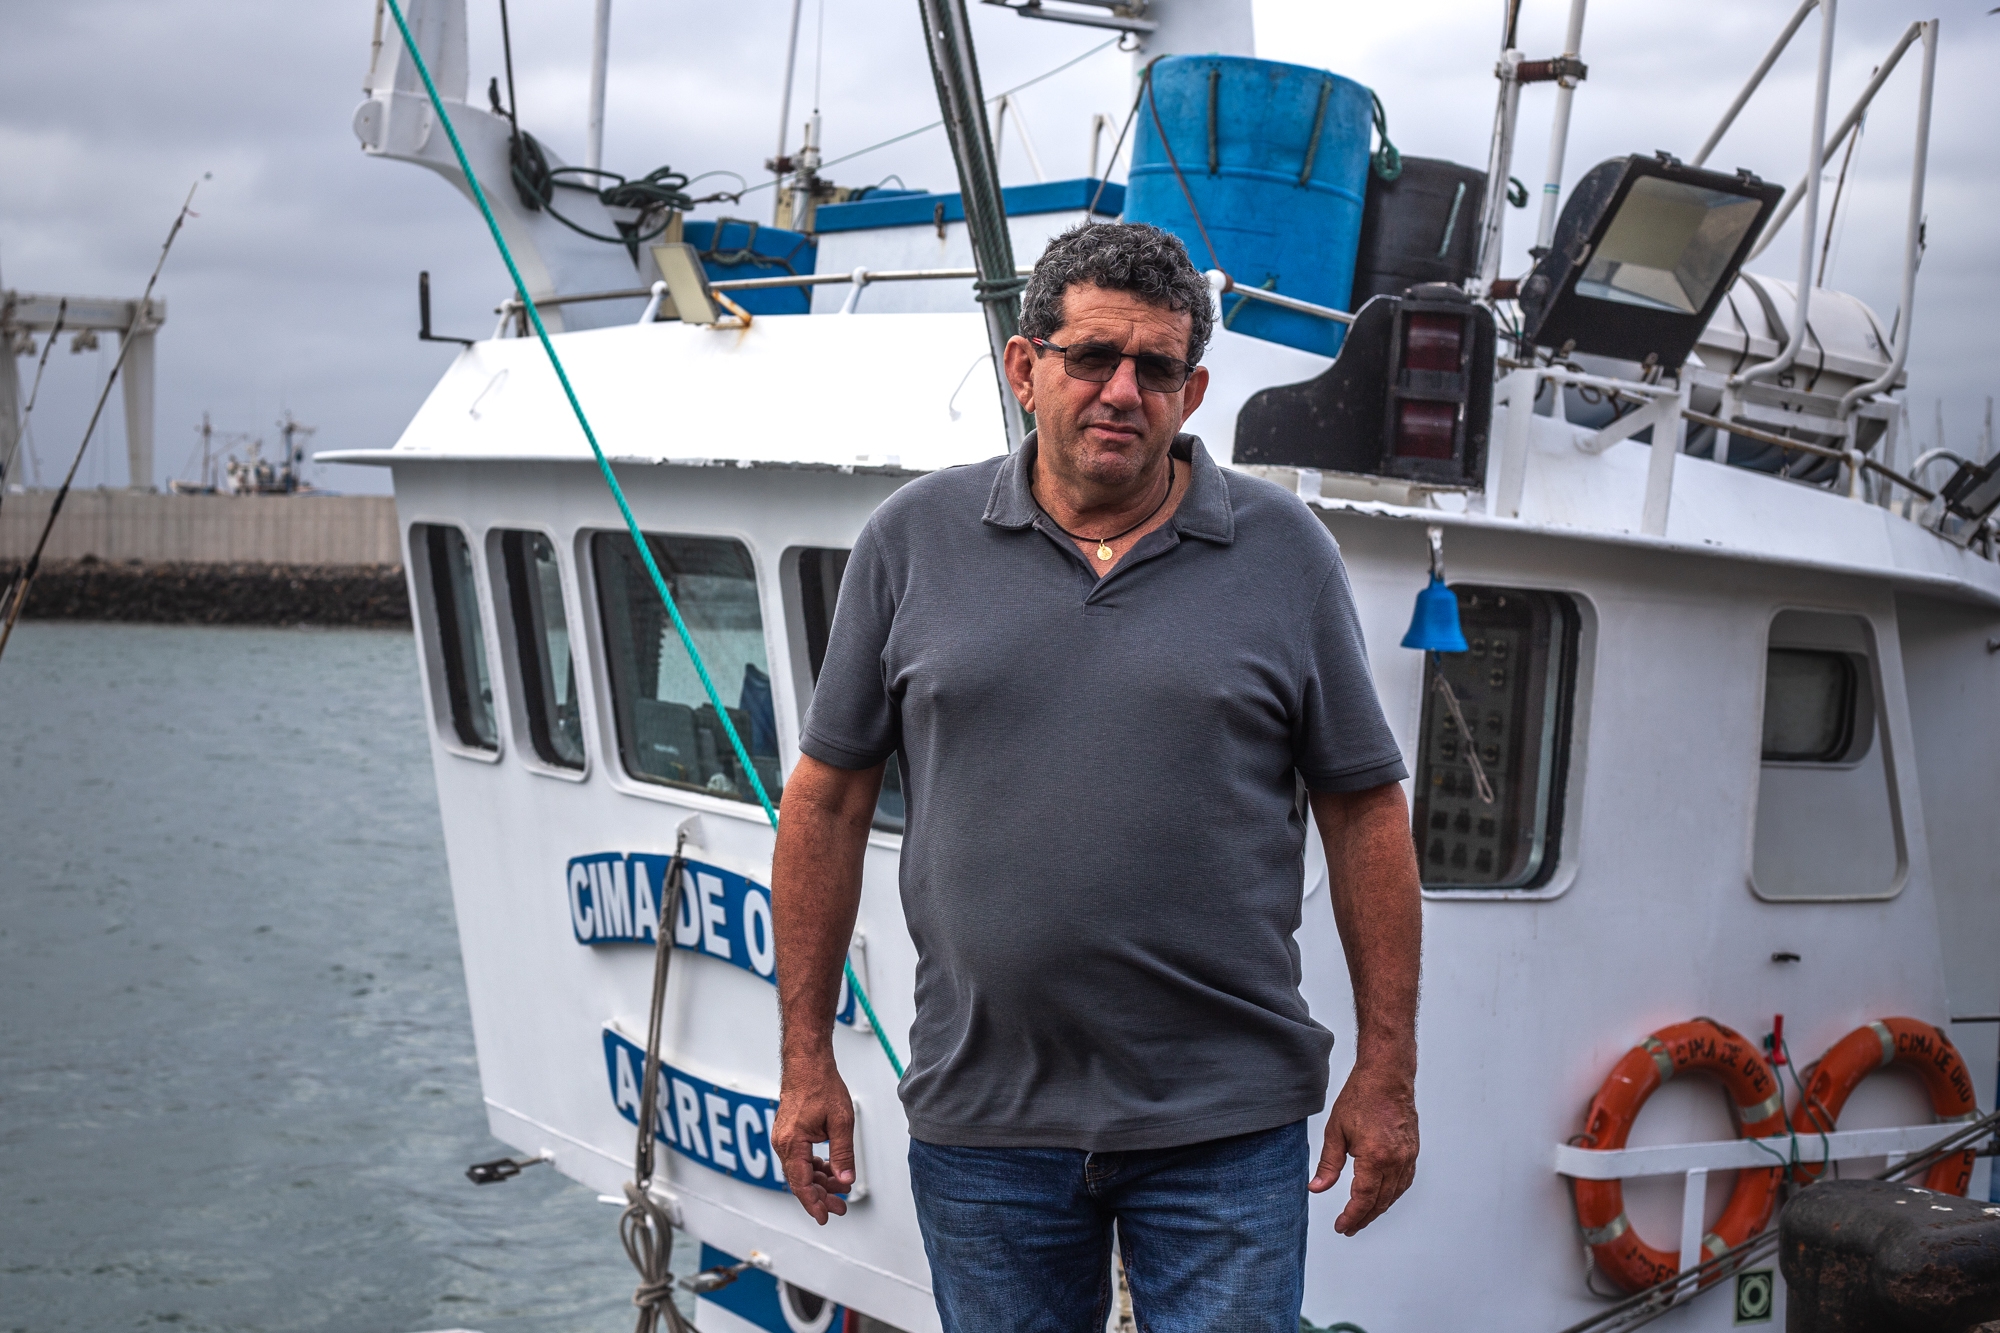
x=618, y=492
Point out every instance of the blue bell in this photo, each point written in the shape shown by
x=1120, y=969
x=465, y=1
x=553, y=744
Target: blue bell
x=1434, y=628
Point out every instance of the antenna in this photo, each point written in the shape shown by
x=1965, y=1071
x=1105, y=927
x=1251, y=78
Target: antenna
x=779, y=166
x=600, y=57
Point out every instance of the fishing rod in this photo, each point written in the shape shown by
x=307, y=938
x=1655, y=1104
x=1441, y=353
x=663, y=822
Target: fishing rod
x=27, y=576
x=34, y=393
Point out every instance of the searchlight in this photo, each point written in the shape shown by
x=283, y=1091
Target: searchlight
x=1643, y=252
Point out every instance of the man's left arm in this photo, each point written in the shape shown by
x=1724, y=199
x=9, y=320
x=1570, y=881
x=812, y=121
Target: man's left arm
x=1372, y=874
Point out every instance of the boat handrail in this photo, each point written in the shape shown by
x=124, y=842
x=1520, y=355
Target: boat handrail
x=1223, y=284
x=865, y=276
x=868, y=277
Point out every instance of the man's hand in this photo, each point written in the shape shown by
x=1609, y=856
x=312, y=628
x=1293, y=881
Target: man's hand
x=813, y=1107
x=1378, y=905
x=1374, y=1121
x=815, y=889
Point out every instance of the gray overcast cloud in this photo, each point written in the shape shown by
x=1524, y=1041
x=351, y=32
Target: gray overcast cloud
x=295, y=287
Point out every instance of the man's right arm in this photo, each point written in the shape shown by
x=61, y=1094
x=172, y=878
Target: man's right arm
x=815, y=892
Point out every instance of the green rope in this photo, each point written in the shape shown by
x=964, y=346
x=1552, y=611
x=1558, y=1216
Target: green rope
x=618, y=493
x=1386, y=160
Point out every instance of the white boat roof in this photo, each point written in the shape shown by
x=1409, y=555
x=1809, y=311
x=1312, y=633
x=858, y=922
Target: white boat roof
x=908, y=392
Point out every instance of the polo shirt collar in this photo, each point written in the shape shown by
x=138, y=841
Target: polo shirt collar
x=1204, y=512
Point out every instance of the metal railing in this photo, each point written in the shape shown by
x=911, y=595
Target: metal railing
x=862, y=278
x=1223, y=285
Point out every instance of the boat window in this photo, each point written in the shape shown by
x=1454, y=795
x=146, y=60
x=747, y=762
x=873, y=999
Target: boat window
x=1828, y=825
x=1809, y=706
x=668, y=731
x=1496, y=823
x=457, y=636
x=542, y=657
x=820, y=571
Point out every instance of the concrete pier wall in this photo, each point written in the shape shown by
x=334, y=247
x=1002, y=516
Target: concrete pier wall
x=121, y=526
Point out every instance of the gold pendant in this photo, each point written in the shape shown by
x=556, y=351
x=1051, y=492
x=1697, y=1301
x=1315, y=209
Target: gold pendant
x=1103, y=551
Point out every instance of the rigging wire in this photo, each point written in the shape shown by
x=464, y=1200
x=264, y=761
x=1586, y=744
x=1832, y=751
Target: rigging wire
x=507, y=54
x=925, y=129
x=534, y=314
x=1116, y=148
x=25, y=581
x=1153, y=104
x=1833, y=211
x=646, y=1228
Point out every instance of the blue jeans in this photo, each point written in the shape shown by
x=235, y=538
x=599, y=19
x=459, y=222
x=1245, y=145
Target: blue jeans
x=1213, y=1234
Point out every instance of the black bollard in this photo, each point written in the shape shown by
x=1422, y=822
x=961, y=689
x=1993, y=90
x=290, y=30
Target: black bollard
x=1868, y=1256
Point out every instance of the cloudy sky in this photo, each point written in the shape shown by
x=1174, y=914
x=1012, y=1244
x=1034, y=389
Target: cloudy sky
x=295, y=288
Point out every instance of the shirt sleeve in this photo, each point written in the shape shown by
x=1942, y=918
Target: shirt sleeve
x=1341, y=742
x=852, y=722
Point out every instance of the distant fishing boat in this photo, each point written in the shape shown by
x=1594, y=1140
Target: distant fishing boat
x=1712, y=774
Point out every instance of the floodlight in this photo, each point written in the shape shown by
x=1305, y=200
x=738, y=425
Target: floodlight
x=1643, y=253
x=1973, y=491
x=687, y=281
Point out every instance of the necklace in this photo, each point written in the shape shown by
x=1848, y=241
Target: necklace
x=1104, y=551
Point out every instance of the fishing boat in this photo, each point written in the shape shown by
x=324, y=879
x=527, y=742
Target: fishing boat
x=1702, y=798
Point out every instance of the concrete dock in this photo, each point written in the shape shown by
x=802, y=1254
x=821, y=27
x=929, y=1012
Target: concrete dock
x=210, y=559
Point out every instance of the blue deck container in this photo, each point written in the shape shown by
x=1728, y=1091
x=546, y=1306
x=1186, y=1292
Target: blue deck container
x=1276, y=159
x=733, y=248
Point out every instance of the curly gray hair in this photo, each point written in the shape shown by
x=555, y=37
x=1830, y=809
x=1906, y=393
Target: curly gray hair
x=1131, y=257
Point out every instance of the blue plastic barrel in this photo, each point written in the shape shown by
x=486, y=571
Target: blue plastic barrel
x=1275, y=157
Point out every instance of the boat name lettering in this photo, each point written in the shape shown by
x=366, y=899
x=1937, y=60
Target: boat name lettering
x=724, y=1130
x=616, y=897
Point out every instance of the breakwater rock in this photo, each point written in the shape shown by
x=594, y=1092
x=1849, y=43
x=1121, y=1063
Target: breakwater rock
x=244, y=593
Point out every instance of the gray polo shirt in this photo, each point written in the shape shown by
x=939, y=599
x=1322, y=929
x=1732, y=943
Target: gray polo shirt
x=1102, y=863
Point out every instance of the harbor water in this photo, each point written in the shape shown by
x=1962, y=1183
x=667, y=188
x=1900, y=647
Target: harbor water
x=237, y=1085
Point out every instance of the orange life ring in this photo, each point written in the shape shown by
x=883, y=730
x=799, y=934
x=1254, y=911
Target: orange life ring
x=1705, y=1045
x=1892, y=1041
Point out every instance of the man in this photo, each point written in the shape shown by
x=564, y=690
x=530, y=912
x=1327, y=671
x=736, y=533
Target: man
x=1106, y=666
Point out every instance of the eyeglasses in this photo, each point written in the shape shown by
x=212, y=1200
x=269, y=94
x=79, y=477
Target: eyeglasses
x=1097, y=363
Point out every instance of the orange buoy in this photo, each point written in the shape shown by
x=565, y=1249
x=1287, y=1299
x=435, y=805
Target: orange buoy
x=1702, y=1045
x=1892, y=1041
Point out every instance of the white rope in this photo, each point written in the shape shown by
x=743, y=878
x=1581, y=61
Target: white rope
x=1471, y=741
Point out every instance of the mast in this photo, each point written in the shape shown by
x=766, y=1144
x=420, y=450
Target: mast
x=1566, y=81
x=1196, y=27
x=948, y=38
x=1500, y=154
